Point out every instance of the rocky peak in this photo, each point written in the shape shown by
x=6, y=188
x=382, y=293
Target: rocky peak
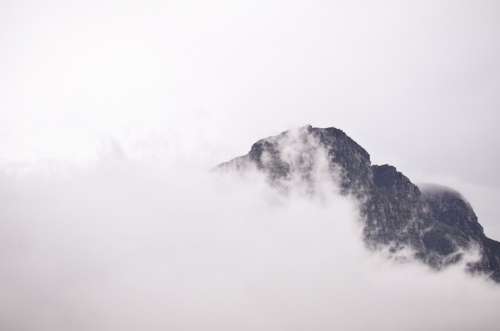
x=452, y=209
x=437, y=224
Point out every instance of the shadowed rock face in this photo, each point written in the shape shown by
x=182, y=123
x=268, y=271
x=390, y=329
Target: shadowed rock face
x=437, y=223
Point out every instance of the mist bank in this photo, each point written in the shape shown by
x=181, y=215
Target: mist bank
x=127, y=244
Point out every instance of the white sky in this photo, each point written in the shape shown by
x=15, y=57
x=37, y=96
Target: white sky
x=417, y=83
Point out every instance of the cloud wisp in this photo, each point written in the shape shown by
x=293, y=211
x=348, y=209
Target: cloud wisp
x=127, y=245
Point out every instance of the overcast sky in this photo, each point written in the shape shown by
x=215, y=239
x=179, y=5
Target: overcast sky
x=120, y=245
x=417, y=83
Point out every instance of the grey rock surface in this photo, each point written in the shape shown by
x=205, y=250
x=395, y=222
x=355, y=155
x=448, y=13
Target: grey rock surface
x=436, y=223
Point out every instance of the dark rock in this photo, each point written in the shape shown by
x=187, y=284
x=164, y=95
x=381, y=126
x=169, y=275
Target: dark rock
x=437, y=223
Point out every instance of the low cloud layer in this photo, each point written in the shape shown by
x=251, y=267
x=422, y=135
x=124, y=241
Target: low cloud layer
x=128, y=245
x=137, y=245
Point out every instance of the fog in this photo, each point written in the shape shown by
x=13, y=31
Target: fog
x=415, y=83
x=127, y=244
x=112, y=113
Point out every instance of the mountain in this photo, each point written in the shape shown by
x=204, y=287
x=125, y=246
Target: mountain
x=435, y=223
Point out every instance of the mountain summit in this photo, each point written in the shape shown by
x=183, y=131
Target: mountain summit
x=435, y=223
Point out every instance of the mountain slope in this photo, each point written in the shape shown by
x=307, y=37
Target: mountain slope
x=436, y=223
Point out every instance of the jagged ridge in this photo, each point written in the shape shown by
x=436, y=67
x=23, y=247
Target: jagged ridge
x=438, y=224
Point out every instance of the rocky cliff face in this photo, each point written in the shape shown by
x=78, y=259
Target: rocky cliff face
x=437, y=224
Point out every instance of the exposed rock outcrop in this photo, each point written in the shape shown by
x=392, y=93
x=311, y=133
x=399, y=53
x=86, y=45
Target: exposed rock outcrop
x=436, y=223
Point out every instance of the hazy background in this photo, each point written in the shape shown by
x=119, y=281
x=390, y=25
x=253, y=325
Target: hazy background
x=134, y=245
x=88, y=88
x=415, y=82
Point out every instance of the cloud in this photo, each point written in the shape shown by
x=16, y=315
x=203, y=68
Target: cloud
x=126, y=244
x=129, y=244
x=409, y=80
